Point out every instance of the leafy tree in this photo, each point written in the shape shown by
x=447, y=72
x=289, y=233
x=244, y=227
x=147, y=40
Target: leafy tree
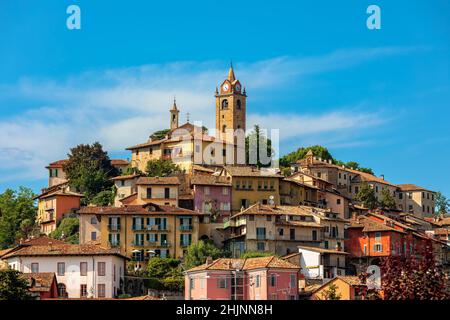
x=198, y=252
x=300, y=153
x=386, y=199
x=162, y=267
x=331, y=293
x=255, y=254
x=69, y=228
x=13, y=286
x=158, y=135
x=405, y=278
x=366, y=195
x=161, y=168
x=261, y=140
x=131, y=170
x=104, y=198
x=442, y=204
x=17, y=215
x=89, y=170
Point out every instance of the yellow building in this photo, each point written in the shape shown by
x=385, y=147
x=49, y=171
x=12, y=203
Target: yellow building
x=296, y=192
x=142, y=231
x=251, y=185
x=125, y=187
x=347, y=288
x=416, y=200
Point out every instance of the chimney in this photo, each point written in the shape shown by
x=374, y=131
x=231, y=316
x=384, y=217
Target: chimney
x=209, y=260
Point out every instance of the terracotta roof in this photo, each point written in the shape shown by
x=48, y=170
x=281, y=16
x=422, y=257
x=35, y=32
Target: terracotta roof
x=41, y=241
x=126, y=177
x=63, y=250
x=149, y=208
x=352, y=280
x=246, y=264
x=363, y=176
x=60, y=192
x=143, y=298
x=158, y=180
x=146, y=144
x=210, y=180
x=300, y=183
x=119, y=162
x=129, y=199
x=288, y=256
x=411, y=187
x=264, y=209
x=369, y=225
x=197, y=167
x=296, y=223
x=56, y=164
x=322, y=250
x=248, y=171
x=39, y=281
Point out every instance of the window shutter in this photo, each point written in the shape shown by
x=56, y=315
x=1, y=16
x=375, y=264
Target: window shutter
x=109, y=237
x=118, y=238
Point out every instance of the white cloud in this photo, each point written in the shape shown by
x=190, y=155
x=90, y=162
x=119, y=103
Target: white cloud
x=121, y=107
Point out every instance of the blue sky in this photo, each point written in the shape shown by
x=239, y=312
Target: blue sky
x=311, y=69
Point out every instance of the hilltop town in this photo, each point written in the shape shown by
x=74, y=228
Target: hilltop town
x=309, y=232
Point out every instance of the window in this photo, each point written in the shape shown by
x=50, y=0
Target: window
x=365, y=249
x=356, y=189
x=378, y=247
x=83, y=269
x=167, y=193
x=224, y=152
x=251, y=218
x=61, y=267
x=273, y=280
x=93, y=220
x=261, y=233
x=93, y=236
x=35, y=267
x=400, y=195
x=238, y=104
x=222, y=283
x=101, y=268
x=314, y=235
x=150, y=150
x=207, y=191
x=292, y=234
x=269, y=218
x=326, y=244
x=319, y=174
x=293, y=281
x=83, y=291
x=191, y=283
x=137, y=152
x=258, y=281
x=225, y=191
x=281, y=232
x=260, y=246
x=149, y=193
x=62, y=290
x=378, y=236
x=338, y=201
x=101, y=290
x=224, y=104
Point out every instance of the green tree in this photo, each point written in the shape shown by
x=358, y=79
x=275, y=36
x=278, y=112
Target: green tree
x=162, y=267
x=68, y=228
x=198, y=252
x=366, y=195
x=386, y=199
x=161, y=168
x=104, y=198
x=131, y=170
x=261, y=140
x=158, y=135
x=331, y=293
x=255, y=254
x=300, y=153
x=13, y=286
x=89, y=170
x=442, y=204
x=17, y=215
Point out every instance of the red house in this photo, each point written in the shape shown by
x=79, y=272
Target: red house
x=42, y=285
x=373, y=236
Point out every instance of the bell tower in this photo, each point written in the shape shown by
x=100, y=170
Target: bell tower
x=174, y=113
x=230, y=105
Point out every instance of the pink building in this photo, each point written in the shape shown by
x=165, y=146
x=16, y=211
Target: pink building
x=265, y=278
x=212, y=195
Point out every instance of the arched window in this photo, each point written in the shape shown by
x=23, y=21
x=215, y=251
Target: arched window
x=224, y=128
x=62, y=290
x=224, y=104
x=239, y=104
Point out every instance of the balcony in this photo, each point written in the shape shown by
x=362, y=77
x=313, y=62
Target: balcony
x=156, y=227
x=113, y=227
x=114, y=244
x=138, y=228
x=164, y=244
x=184, y=244
x=48, y=218
x=186, y=228
x=138, y=243
x=261, y=237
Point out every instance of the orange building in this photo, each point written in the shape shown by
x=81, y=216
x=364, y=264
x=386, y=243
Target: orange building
x=347, y=288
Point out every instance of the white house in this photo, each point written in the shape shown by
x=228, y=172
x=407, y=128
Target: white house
x=87, y=270
x=323, y=264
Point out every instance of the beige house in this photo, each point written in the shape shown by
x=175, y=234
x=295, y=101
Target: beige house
x=125, y=187
x=277, y=229
x=416, y=200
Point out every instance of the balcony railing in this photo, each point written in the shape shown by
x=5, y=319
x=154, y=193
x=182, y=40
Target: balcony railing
x=184, y=244
x=261, y=237
x=138, y=227
x=155, y=227
x=163, y=244
x=113, y=227
x=114, y=243
x=138, y=243
x=185, y=228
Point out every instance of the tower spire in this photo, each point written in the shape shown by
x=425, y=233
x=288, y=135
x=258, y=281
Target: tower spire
x=231, y=76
